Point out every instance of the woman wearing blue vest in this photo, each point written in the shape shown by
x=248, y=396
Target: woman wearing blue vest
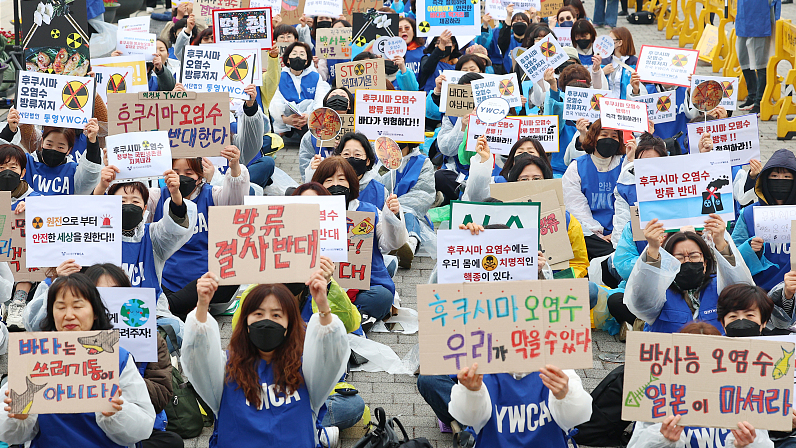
x=511, y=35
x=336, y=175
x=300, y=90
x=774, y=186
x=340, y=100
x=74, y=304
x=680, y=282
x=441, y=54
x=407, y=30
x=624, y=53
x=269, y=386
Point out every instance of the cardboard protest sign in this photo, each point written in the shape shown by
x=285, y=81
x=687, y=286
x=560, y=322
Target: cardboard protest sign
x=331, y=234
x=737, y=136
x=399, y=115
x=135, y=24
x=87, y=229
x=57, y=40
x=661, y=106
x=198, y=123
x=55, y=100
x=351, y=7
x=503, y=86
x=508, y=192
x=203, y=9
x=329, y=8
x=583, y=103
x=365, y=74
x=463, y=257
x=6, y=225
x=348, y=125
x=515, y=326
x=291, y=12
x=264, y=243
x=281, y=46
x=115, y=80
x=543, y=128
x=244, y=25
x=563, y=35
x=452, y=77
x=550, y=7
x=729, y=86
x=135, y=64
x=139, y=155
x=12, y=244
x=623, y=115
x=132, y=311
x=133, y=42
x=333, y=43
x=772, y=223
x=63, y=372
x=684, y=190
x=462, y=18
x=219, y=69
x=664, y=65
x=500, y=136
x=664, y=376
x=459, y=102
x=547, y=53
x=635, y=224
x=355, y=273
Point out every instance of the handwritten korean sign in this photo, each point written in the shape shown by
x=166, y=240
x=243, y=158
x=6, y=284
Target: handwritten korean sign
x=12, y=244
x=666, y=65
x=333, y=43
x=244, y=25
x=348, y=125
x=355, y=273
x=219, y=69
x=365, y=74
x=772, y=223
x=462, y=18
x=132, y=312
x=623, y=115
x=459, y=101
x=139, y=155
x=55, y=100
x=397, y=114
x=487, y=257
x=543, y=128
x=583, y=103
x=738, y=136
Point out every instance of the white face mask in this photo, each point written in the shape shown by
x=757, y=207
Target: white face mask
x=519, y=376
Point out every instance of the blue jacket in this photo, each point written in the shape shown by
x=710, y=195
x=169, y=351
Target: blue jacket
x=755, y=18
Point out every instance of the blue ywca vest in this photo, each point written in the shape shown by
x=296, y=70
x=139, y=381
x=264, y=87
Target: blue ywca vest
x=309, y=83
x=378, y=271
x=779, y=254
x=520, y=416
x=412, y=59
x=676, y=313
x=50, y=181
x=330, y=63
x=75, y=430
x=190, y=262
x=138, y=260
x=161, y=421
x=705, y=437
x=599, y=191
x=507, y=61
x=406, y=179
x=628, y=193
x=431, y=82
x=586, y=59
x=280, y=421
x=373, y=194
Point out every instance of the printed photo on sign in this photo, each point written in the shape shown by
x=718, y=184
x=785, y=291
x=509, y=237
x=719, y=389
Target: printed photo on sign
x=661, y=106
x=55, y=100
x=547, y=53
x=623, y=115
x=133, y=311
x=729, y=86
x=399, y=115
x=135, y=64
x=139, y=155
x=664, y=65
x=115, y=80
x=737, y=136
x=333, y=43
x=503, y=86
x=218, y=69
x=543, y=128
x=487, y=257
x=367, y=26
x=365, y=74
x=583, y=103
x=462, y=18
x=355, y=273
x=55, y=38
x=245, y=25
x=348, y=125
x=131, y=42
x=500, y=136
x=773, y=223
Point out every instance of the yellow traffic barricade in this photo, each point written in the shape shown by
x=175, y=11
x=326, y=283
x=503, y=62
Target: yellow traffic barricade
x=673, y=21
x=785, y=44
x=690, y=34
x=786, y=129
x=733, y=68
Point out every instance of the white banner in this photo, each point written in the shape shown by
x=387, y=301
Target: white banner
x=133, y=311
x=498, y=86
x=134, y=24
x=728, y=84
x=219, y=69
x=492, y=255
x=115, y=80
x=623, y=115
x=132, y=42
x=399, y=115
x=139, y=155
x=329, y=8
x=661, y=107
x=55, y=100
x=583, y=103
x=547, y=53
x=773, y=223
x=665, y=65
x=543, y=128
x=462, y=18
x=738, y=136
x=563, y=35
x=500, y=136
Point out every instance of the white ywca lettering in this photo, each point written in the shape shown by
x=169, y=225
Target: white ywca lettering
x=201, y=224
x=599, y=201
x=271, y=398
x=135, y=272
x=780, y=248
x=706, y=437
x=535, y=415
x=57, y=185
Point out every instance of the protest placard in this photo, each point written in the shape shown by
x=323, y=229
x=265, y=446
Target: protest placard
x=281, y=46
x=332, y=233
x=198, y=123
x=550, y=7
x=87, y=229
x=139, y=155
x=6, y=226
x=500, y=136
x=133, y=311
x=462, y=18
x=772, y=223
x=543, y=128
x=399, y=115
x=391, y=47
x=737, y=136
x=463, y=257
x=495, y=9
x=135, y=24
x=583, y=103
x=135, y=64
x=55, y=100
x=355, y=273
x=623, y=115
x=351, y=7
x=64, y=372
x=547, y=53
x=333, y=43
x=368, y=26
x=792, y=240
x=563, y=35
x=238, y=47
x=452, y=77
x=328, y=8
x=115, y=80
x=291, y=10
x=503, y=86
x=635, y=224
x=365, y=74
x=729, y=85
x=459, y=101
x=243, y=25
x=203, y=9
x=348, y=125
x=517, y=326
x=219, y=69
x=603, y=46
x=12, y=245
x=684, y=190
x=664, y=65
x=508, y=192
x=133, y=42
x=661, y=106
x=264, y=243
x=519, y=215
x=664, y=376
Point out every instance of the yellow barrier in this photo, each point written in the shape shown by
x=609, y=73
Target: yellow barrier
x=673, y=22
x=723, y=48
x=733, y=68
x=785, y=45
x=786, y=129
x=690, y=34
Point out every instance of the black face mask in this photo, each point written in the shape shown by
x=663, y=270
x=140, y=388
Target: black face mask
x=519, y=28
x=690, y=276
x=298, y=64
x=267, y=335
x=742, y=328
x=566, y=23
x=52, y=158
x=9, y=180
x=339, y=190
x=360, y=166
x=583, y=43
x=338, y=103
x=187, y=186
x=607, y=147
x=390, y=67
x=448, y=51
x=132, y=215
x=780, y=188
x=323, y=24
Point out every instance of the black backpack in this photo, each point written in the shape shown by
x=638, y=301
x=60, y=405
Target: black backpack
x=641, y=18
x=606, y=427
x=383, y=435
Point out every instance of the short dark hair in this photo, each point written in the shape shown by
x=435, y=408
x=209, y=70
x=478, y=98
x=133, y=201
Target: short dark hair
x=365, y=55
x=649, y=142
x=478, y=60
x=329, y=166
x=583, y=26
x=79, y=285
x=289, y=49
x=68, y=133
x=359, y=137
x=345, y=23
x=529, y=159
x=707, y=254
x=349, y=95
x=131, y=187
x=742, y=296
x=285, y=29
x=311, y=186
x=9, y=151
x=117, y=274
x=593, y=134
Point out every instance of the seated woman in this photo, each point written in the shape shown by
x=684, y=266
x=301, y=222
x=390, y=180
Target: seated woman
x=616, y=66
x=340, y=100
x=74, y=304
x=525, y=145
x=441, y=53
x=272, y=381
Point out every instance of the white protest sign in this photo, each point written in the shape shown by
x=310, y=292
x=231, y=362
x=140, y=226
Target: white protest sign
x=543, y=128
x=275, y=5
x=132, y=311
x=665, y=65
x=87, y=229
x=583, y=103
x=452, y=77
x=218, y=69
x=684, y=190
x=547, y=53
x=604, y=46
x=394, y=46
x=500, y=136
x=328, y=8
x=773, y=223
x=504, y=86
x=495, y=9
x=623, y=115
x=661, y=106
x=131, y=42
x=333, y=234
x=563, y=35
x=738, y=136
x=728, y=84
x=55, y=100
x=463, y=257
x=115, y=80
x=492, y=110
x=134, y=24
x=247, y=46
x=134, y=63
x=462, y=18
x=139, y=155
x=399, y=115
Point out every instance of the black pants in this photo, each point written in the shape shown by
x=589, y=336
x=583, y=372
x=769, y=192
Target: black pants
x=163, y=439
x=619, y=310
x=183, y=301
x=597, y=247
x=445, y=182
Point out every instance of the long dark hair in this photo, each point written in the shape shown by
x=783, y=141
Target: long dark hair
x=79, y=285
x=205, y=32
x=707, y=254
x=363, y=141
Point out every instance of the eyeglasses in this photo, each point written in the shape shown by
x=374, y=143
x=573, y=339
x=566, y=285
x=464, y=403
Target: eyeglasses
x=694, y=257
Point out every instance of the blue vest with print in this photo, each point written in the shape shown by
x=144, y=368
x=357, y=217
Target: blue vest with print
x=75, y=430
x=431, y=82
x=779, y=254
x=675, y=313
x=373, y=194
x=378, y=271
x=507, y=60
x=666, y=130
x=599, y=190
x=138, y=260
x=190, y=262
x=406, y=179
x=50, y=181
x=309, y=83
x=705, y=437
x=412, y=59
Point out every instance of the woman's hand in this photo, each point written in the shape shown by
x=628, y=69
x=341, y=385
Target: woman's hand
x=91, y=129
x=474, y=228
x=705, y=142
x=251, y=90
x=482, y=148
x=327, y=266
x=67, y=267
x=582, y=125
x=190, y=23
x=107, y=175
x=670, y=428
x=789, y=289
x=469, y=378
x=756, y=244
x=630, y=149
x=509, y=14
x=208, y=170
x=744, y=435
x=393, y=205
x=596, y=61
x=172, y=180
x=13, y=120
x=276, y=20
x=179, y=88
x=116, y=53
x=399, y=61
x=550, y=78
x=654, y=234
x=157, y=62
x=117, y=404
x=486, y=19
x=444, y=40
x=20, y=208
x=541, y=260
x=438, y=84
x=716, y=226
x=755, y=167
x=8, y=409
x=556, y=380
x=232, y=154
x=608, y=69
x=317, y=284
x=206, y=287
x=316, y=160
x=635, y=83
